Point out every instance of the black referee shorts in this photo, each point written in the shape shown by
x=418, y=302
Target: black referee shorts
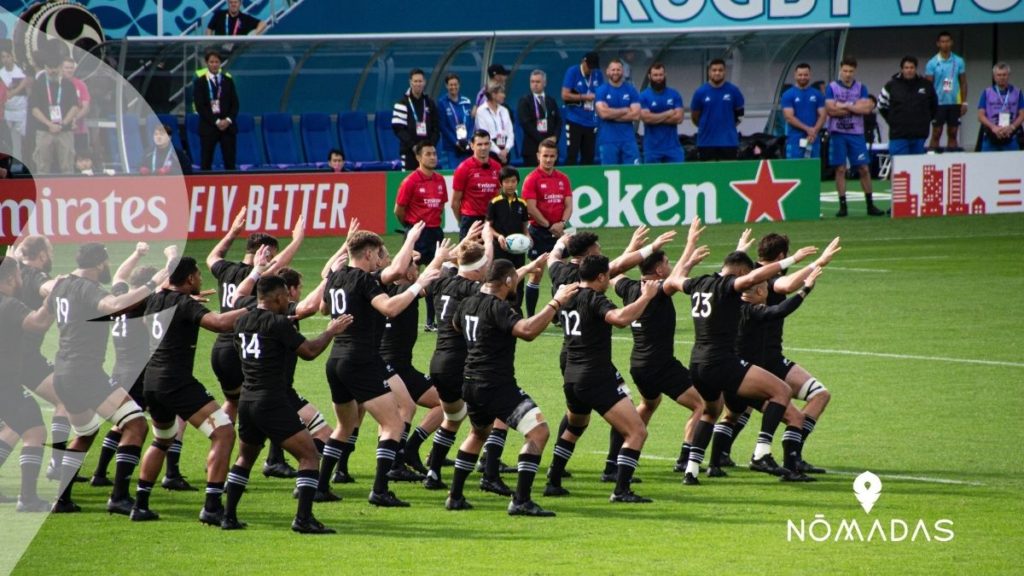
x=360, y=380
x=183, y=402
x=670, y=379
x=543, y=241
x=426, y=245
x=267, y=416
x=719, y=377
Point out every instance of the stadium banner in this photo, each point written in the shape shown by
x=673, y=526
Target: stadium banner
x=118, y=208
x=671, y=195
x=724, y=14
x=957, y=184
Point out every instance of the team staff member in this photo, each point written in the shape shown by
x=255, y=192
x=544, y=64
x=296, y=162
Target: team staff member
x=456, y=124
x=578, y=89
x=493, y=118
x=661, y=111
x=268, y=344
x=803, y=107
x=415, y=118
x=847, y=105
x=421, y=198
x=1001, y=112
x=908, y=103
x=216, y=102
x=948, y=75
x=234, y=22
x=716, y=109
x=475, y=183
x=618, y=106
x=548, y=196
x=538, y=116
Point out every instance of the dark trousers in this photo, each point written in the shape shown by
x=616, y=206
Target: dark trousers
x=580, y=140
x=409, y=161
x=208, y=144
x=465, y=223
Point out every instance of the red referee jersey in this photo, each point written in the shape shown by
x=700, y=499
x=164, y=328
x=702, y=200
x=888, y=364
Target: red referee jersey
x=479, y=184
x=423, y=198
x=550, y=192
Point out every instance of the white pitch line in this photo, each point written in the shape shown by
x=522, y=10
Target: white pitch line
x=844, y=269
x=834, y=472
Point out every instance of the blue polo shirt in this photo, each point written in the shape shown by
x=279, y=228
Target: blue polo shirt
x=805, y=103
x=623, y=96
x=661, y=136
x=945, y=75
x=574, y=80
x=717, y=107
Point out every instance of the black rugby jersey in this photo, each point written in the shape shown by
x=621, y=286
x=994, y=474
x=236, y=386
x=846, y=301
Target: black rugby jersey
x=655, y=330
x=266, y=343
x=12, y=313
x=448, y=293
x=351, y=290
x=83, y=329
x=229, y=275
x=400, y=332
x=129, y=333
x=715, y=309
x=173, y=318
x=588, y=338
x=760, y=332
x=486, y=323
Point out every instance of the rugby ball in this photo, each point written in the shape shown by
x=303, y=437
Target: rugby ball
x=518, y=243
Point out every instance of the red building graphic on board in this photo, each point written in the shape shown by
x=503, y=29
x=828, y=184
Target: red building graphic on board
x=904, y=204
x=978, y=206
x=956, y=197
x=931, y=191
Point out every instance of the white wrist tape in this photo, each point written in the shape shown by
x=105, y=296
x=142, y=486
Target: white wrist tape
x=415, y=288
x=646, y=252
x=787, y=262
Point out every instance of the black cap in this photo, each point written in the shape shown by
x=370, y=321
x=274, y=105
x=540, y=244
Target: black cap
x=495, y=69
x=91, y=255
x=592, y=60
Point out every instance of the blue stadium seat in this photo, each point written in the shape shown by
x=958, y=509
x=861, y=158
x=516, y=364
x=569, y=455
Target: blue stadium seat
x=317, y=137
x=133, y=144
x=279, y=140
x=194, y=148
x=356, y=139
x=249, y=153
x=386, y=139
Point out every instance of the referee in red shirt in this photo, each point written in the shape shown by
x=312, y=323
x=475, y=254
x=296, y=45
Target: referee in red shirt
x=548, y=196
x=475, y=183
x=421, y=198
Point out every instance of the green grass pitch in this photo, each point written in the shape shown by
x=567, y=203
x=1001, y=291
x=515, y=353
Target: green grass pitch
x=915, y=328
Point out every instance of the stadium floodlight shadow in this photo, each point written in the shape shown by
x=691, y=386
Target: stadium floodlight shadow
x=69, y=209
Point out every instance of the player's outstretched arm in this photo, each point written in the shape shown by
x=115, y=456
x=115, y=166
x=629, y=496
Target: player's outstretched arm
x=529, y=267
x=789, y=305
x=310, y=349
x=392, y=306
x=221, y=249
x=341, y=255
x=622, y=317
x=763, y=273
x=793, y=282
x=110, y=303
x=400, y=263
x=674, y=283
x=311, y=303
x=221, y=321
x=632, y=259
x=124, y=271
x=529, y=328
x=284, y=258
x=261, y=267
x=684, y=270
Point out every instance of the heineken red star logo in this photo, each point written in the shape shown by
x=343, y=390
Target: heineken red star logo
x=764, y=194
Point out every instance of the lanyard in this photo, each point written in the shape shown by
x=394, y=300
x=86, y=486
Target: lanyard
x=588, y=80
x=537, y=109
x=1006, y=98
x=453, y=108
x=167, y=157
x=227, y=21
x=412, y=108
x=497, y=116
x=214, y=82
x=60, y=91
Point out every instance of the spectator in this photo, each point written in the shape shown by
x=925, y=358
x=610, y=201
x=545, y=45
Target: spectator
x=475, y=183
x=847, y=103
x=16, y=107
x=538, y=115
x=216, y=102
x=496, y=75
x=618, y=105
x=1001, y=112
x=661, y=110
x=414, y=119
x=716, y=109
x=948, y=75
x=83, y=164
x=495, y=120
x=908, y=103
x=5, y=133
x=234, y=22
x=161, y=159
x=803, y=107
x=81, y=132
x=54, y=105
x=578, y=89
x=456, y=123
x=336, y=161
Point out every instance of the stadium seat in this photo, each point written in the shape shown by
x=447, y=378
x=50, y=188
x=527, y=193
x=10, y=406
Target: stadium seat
x=386, y=139
x=194, y=148
x=279, y=140
x=133, y=144
x=356, y=139
x=249, y=155
x=317, y=137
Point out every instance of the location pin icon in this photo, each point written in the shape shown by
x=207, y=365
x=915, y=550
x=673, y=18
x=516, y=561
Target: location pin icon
x=867, y=487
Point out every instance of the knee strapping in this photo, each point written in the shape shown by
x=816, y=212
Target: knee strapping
x=126, y=413
x=215, y=420
x=316, y=423
x=456, y=416
x=529, y=421
x=810, y=389
x=90, y=428
x=166, y=434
